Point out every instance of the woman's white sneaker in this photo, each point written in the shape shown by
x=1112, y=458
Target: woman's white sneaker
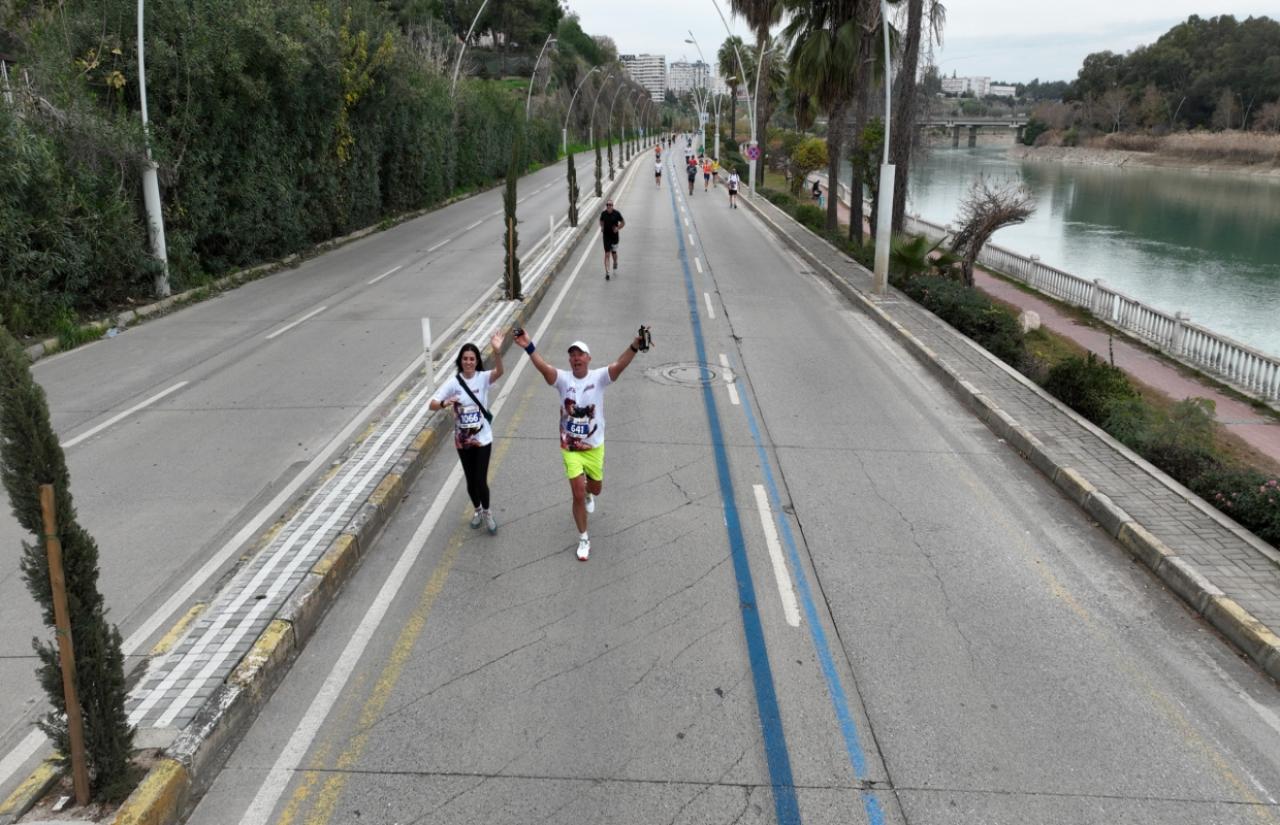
x=591, y=503
x=584, y=548
x=477, y=518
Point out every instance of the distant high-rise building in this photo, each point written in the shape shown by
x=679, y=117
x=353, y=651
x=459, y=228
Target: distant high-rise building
x=977, y=86
x=649, y=70
x=685, y=76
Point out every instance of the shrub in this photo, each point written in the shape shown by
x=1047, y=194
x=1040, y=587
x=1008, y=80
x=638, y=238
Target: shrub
x=972, y=313
x=1089, y=386
x=1249, y=496
x=811, y=216
x=1033, y=130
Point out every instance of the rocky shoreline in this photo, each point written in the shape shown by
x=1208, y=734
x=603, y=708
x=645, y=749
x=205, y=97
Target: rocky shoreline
x=1091, y=156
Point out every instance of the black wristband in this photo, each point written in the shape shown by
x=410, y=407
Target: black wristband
x=529, y=349
x=633, y=348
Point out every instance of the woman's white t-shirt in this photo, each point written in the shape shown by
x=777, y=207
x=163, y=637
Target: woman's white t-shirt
x=582, y=408
x=469, y=427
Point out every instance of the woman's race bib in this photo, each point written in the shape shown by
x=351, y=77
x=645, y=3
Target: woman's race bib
x=469, y=418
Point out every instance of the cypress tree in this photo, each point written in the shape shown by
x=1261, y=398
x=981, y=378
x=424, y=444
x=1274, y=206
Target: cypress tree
x=511, y=235
x=573, y=193
x=611, y=151
x=599, y=187
x=30, y=456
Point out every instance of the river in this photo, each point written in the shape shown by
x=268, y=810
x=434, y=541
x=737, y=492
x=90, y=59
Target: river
x=1203, y=243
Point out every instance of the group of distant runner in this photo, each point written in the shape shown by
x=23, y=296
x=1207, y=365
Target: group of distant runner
x=581, y=388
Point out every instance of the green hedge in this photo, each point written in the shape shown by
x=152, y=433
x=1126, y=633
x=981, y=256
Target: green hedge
x=276, y=126
x=971, y=312
x=1249, y=496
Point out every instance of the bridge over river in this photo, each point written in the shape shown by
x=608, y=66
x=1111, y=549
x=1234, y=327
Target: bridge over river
x=973, y=124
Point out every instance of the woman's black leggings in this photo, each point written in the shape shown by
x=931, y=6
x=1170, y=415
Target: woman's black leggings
x=475, y=465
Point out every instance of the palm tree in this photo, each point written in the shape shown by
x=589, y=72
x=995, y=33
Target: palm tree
x=727, y=63
x=761, y=15
x=825, y=51
x=904, y=107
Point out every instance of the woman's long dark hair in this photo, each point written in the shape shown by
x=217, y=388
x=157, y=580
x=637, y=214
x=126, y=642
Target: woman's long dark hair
x=472, y=348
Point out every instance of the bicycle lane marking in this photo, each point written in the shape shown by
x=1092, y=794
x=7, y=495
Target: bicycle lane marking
x=785, y=803
x=835, y=689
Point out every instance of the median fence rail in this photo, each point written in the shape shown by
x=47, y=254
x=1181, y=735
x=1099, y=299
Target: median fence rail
x=1240, y=365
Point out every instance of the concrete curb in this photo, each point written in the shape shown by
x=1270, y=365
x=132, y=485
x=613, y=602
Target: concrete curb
x=1251, y=636
x=192, y=762
x=31, y=791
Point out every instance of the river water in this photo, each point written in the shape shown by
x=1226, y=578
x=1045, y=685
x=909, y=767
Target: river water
x=1203, y=243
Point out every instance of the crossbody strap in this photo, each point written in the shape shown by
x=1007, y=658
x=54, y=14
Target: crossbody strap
x=487, y=416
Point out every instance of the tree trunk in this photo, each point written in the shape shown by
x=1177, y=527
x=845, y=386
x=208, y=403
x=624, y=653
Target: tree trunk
x=905, y=111
x=835, y=143
x=861, y=106
x=733, y=117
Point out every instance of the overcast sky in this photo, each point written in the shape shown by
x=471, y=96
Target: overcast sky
x=1014, y=40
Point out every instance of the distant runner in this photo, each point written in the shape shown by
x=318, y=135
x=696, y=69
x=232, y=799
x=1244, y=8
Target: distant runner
x=611, y=223
x=657, y=172
x=706, y=174
x=692, y=171
x=733, y=189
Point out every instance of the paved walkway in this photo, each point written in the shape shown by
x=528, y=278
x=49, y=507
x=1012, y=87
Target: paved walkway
x=1259, y=431
x=1210, y=545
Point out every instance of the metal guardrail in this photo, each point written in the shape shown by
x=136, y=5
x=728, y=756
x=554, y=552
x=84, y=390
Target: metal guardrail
x=1240, y=365
x=1246, y=368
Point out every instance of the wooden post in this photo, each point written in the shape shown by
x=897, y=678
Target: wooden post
x=66, y=650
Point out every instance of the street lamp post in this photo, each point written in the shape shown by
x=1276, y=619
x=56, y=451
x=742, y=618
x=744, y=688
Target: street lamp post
x=592, y=127
x=532, y=77
x=702, y=118
x=751, y=102
x=884, y=215
x=458, y=64
x=564, y=132
x=151, y=179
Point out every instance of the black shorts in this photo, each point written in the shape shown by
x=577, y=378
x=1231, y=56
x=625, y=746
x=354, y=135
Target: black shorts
x=610, y=242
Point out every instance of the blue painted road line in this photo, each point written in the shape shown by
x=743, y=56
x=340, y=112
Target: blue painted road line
x=848, y=728
x=786, y=806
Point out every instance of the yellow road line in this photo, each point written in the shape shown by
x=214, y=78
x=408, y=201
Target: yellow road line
x=327, y=798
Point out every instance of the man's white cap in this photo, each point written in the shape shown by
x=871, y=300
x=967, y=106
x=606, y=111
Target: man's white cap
x=579, y=345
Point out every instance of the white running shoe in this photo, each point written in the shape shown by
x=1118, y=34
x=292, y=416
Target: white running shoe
x=591, y=503
x=490, y=523
x=584, y=549
x=477, y=518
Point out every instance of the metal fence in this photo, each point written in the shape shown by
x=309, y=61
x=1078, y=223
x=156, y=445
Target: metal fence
x=1249, y=370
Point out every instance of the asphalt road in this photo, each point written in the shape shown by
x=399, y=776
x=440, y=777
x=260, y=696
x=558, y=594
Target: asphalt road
x=187, y=434
x=964, y=646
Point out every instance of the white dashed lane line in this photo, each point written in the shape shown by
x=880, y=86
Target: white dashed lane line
x=313, y=313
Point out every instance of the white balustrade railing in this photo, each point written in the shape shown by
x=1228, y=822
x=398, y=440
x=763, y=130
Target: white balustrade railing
x=1240, y=365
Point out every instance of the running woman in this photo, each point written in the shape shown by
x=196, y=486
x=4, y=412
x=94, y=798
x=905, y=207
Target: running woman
x=706, y=174
x=581, y=422
x=733, y=189
x=611, y=223
x=657, y=172
x=467, y=395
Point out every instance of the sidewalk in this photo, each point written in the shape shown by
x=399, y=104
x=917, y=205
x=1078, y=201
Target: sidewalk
x=1223, y=571
x=1259, y=431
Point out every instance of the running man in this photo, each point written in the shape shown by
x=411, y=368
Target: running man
x=581, y=422
x=733, y=189
x=611, y=223
x=657, y=172
x=691, y=170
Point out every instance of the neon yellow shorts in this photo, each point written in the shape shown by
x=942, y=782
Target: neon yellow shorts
x=591, y=462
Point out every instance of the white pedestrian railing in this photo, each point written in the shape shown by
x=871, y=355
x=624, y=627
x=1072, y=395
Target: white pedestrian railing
x=1240, y=365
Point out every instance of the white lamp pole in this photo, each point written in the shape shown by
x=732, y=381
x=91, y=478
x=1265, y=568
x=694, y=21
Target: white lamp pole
x=592, y=128
x=751, y=103
x=458, y=64
x=564, y=132
x=532, y=77
x=884, y=215
x=151, y=180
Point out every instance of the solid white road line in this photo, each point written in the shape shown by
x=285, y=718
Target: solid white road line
x=313, y=313
x=119, y=416
x=785, y=592
x=385, y=274
x=437, y=246
x=711, y=313
x=729, y=379
x=285, y=768
x=698, y=263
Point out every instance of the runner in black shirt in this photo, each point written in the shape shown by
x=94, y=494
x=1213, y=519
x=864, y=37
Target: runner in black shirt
x=611, y=223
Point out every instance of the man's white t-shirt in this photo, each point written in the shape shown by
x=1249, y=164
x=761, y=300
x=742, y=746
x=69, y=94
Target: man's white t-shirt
x=582, y=408
x=469, y=427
